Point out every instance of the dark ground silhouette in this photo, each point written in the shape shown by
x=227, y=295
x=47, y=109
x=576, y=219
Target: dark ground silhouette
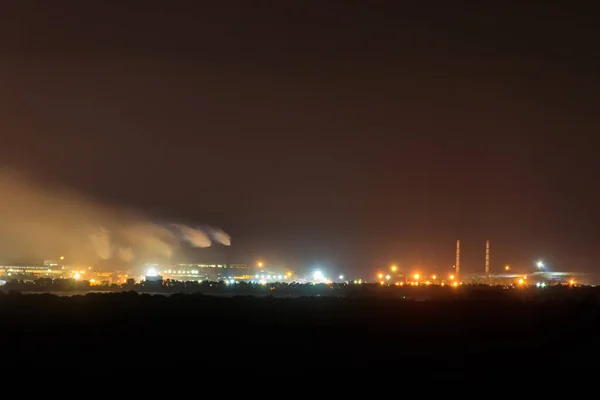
x=474, y=329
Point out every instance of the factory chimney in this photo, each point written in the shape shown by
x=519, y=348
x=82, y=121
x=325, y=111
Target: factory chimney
x=487, y=262
x=457, y=272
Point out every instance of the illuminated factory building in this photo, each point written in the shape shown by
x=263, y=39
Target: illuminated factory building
x=50, y=269
x=29, y=272
x=205, y=272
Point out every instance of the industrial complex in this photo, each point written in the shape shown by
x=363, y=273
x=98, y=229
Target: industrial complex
x=258, y=273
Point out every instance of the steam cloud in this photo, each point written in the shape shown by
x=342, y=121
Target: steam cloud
x=195, y=237
x=41, y=223
x=221, y=237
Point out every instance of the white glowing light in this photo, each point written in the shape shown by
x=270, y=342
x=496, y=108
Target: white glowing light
x=151, y=272
x=77, y=276
x=318, y=276
x=341, y=276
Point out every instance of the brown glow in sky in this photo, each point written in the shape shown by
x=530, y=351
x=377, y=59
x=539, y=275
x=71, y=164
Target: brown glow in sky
x=319, y=132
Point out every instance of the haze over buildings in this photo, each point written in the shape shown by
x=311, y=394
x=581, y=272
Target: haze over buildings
x=42, y=221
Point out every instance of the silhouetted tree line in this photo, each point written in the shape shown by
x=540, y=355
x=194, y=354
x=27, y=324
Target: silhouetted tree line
x=293, y=289
x=473, y=328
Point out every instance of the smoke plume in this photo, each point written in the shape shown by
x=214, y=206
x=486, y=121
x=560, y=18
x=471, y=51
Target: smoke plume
x=221, y=237
x=40, y=223
x=195, y=237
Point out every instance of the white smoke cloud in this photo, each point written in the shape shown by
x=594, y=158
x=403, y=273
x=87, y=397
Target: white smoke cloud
x=151, y=241
x=44, y=222
x=195, y=237
x=221, y=237
x=100, y=243
x=126, y=254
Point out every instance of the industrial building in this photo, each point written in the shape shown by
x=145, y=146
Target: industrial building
x=30, y=271
x=205, y=272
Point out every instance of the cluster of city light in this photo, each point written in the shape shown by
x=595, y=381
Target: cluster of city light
x=272, y=277
x=77, y=274
x=417, y=279
x=318, y=276
x=540, y=284
x=193, y=271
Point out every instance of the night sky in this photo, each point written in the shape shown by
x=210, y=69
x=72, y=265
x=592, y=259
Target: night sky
x=348, y=134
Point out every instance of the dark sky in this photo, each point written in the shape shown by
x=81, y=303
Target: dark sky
x=342, y=133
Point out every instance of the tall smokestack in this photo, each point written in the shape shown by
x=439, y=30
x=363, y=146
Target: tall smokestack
x=487, y=262
x=457, y=272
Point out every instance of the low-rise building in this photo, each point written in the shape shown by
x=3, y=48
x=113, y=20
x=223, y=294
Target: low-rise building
x=30, y=271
